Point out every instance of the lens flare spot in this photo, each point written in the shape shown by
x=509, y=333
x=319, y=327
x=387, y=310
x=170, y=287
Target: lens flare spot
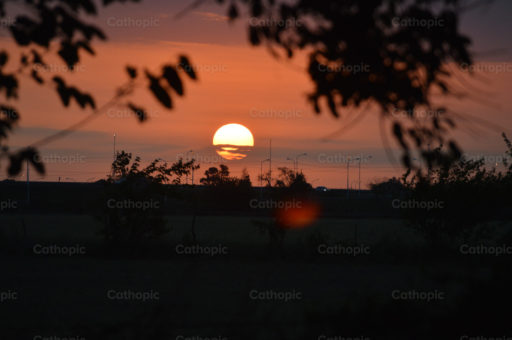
x=298, y=215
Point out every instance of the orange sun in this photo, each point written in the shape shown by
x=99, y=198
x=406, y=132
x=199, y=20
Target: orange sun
x=233, y=141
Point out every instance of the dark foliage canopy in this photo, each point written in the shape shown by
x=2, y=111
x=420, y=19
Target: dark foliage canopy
x=392, y=53
x=58, y=27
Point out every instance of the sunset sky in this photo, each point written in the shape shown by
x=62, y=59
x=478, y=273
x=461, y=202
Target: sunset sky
x=239, y=84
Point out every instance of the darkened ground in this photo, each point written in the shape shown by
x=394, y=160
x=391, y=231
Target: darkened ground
x=357, y=272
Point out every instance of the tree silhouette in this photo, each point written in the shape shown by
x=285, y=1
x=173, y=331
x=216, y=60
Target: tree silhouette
x=134, y=199
x=158, y=170
x=220, y=177
x=216, y=177
x=143, y=193
x=392, y=53
x=59, y=23
x=465, y=196
x=295, y=181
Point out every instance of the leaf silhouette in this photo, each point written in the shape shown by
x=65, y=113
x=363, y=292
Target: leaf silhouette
x=139, y=112
x=37, y=77
x=66, y=93
x=69, y=53
x=132, y=72
x=85, y=45
x=173, y=79
x=397, y=131
x=406, y=160
x=332, y=106
x=14, y=165
x=82, y=99
x=10, y=83
x=187, y=67
x=23, y=60
x=28, y=154
x=37, y=59
x=233, y=12
x=254, y=36
x=8, y=117
x=3, y=58
x=257, y=8
x=62, y=90
x=35, y=160
x=158, y=91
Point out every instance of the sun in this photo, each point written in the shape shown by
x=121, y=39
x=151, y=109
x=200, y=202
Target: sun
x=233, y=134
x=232, y=141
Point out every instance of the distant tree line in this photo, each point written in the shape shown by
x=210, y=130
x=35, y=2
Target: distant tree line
x=135, y=196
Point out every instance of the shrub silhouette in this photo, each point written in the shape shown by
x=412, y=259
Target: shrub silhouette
x=135, y=198
x=468, y=195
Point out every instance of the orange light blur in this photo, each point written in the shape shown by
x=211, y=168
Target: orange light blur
x=298, y=216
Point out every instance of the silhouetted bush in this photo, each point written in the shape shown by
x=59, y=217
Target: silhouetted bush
x=134, y=198
x=455, y=202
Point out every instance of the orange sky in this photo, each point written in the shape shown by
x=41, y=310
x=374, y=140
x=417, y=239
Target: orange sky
x=238, y=84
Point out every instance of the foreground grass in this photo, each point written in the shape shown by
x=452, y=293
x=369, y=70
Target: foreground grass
x=211, y=296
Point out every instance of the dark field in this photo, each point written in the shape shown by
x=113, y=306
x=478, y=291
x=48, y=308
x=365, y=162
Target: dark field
x=237, y=283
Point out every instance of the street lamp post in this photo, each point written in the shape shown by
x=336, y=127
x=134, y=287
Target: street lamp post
x=360, y=158
x=115, y=155
x=186, y=176
x=115, y=146
x=270, y=162
x=261, y=171
x=192, y=171
x=293, y=160
x=297, y=161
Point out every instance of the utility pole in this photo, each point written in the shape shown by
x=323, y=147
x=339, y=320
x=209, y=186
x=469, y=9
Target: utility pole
x=261, y=174
x=293, y=160
x=297, y=161
x=115, y=156
x=270, y=164
x=261, y=171
x=186, y=176
x=360, y=159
